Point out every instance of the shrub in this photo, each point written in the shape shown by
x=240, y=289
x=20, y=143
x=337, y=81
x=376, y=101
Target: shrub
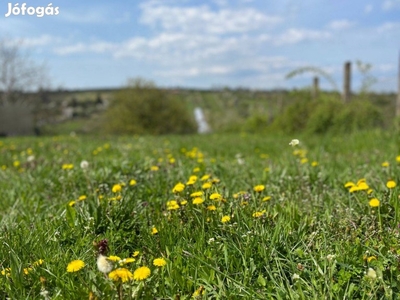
x=328, y=114
x=141, y=108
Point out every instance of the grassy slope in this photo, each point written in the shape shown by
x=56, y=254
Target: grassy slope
x=310, y=215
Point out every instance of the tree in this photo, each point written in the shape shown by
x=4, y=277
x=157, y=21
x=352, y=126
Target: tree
x=18, y=73
x=142, y=108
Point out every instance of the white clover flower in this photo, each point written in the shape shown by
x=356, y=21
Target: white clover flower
x=84, y=164
x=295, y=276
x=30, y=158
x=294, y=142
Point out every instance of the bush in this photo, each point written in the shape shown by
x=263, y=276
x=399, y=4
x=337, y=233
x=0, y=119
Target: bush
x=328, y=114
x=141, y=108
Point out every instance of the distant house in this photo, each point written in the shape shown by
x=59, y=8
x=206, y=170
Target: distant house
x=16, y=119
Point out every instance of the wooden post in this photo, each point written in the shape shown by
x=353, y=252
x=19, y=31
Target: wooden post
x=315, y=87
x=346, y=84
x=398, y=91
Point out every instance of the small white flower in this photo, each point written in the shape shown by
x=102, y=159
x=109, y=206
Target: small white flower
x=84, y=164
x=211, y=240
x=371, y=274
x=30, y=158
x=330, y=257
x=104, y=264
x=295, y=276
x=45, y=294
x=294, y=142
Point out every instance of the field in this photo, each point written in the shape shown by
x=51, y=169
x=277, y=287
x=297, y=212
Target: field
x=223, y=216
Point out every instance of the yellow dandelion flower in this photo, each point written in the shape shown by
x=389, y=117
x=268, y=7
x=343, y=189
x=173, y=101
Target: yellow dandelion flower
x=314, y=164
x=179, y=187
x=259, y=188
x=304, y=160
x=114, y=258
x=206, y=185
x=215, y=196
x=349, y=184
x=196, y=194
x=27, y=270
x=236, y=195
x=159, y=262
x=259, y=214
x=205, y=177
x=121, y=274
x=363, y=186
x=196, y=170
x=398, y=158
x=391, y=184
x=16, y=163
x=266, y=198
x=38, y=262
x=67, y=166
x=154, y=230
x=172, y=205
x=211, y=208
x=126, y=261
x=385, y=164
x=225, y=219
x=71, y=203
x=199, y=292
x=82, y=197
x=75, y=266
x=198, y=200
x=141, y=273
x=370, y=258
x=132, y=182
x=136, y=253
x=374, y=202
x=6, y=272
x=154, y=168
x=116, y=188
x=172, y=160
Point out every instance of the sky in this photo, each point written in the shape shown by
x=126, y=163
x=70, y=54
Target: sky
x=207, y=44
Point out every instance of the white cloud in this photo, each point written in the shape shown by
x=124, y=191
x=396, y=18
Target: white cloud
x=386, y=67
x=391, y=4
x=388, y=26
x=294, y=36
x=203, y=19
x=340, y=24
x=368, y=8
x=42, y=40
x=93, y=47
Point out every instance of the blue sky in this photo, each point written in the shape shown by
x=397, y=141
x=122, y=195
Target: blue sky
x=208, y=44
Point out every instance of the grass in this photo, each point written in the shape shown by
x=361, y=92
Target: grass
x=299, y=235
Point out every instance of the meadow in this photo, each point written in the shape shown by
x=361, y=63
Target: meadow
x=219, y=216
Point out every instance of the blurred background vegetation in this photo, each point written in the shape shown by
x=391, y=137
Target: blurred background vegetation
x=142, y=108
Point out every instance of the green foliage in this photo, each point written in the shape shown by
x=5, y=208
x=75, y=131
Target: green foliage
x=141, y=108
x=329, y=114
